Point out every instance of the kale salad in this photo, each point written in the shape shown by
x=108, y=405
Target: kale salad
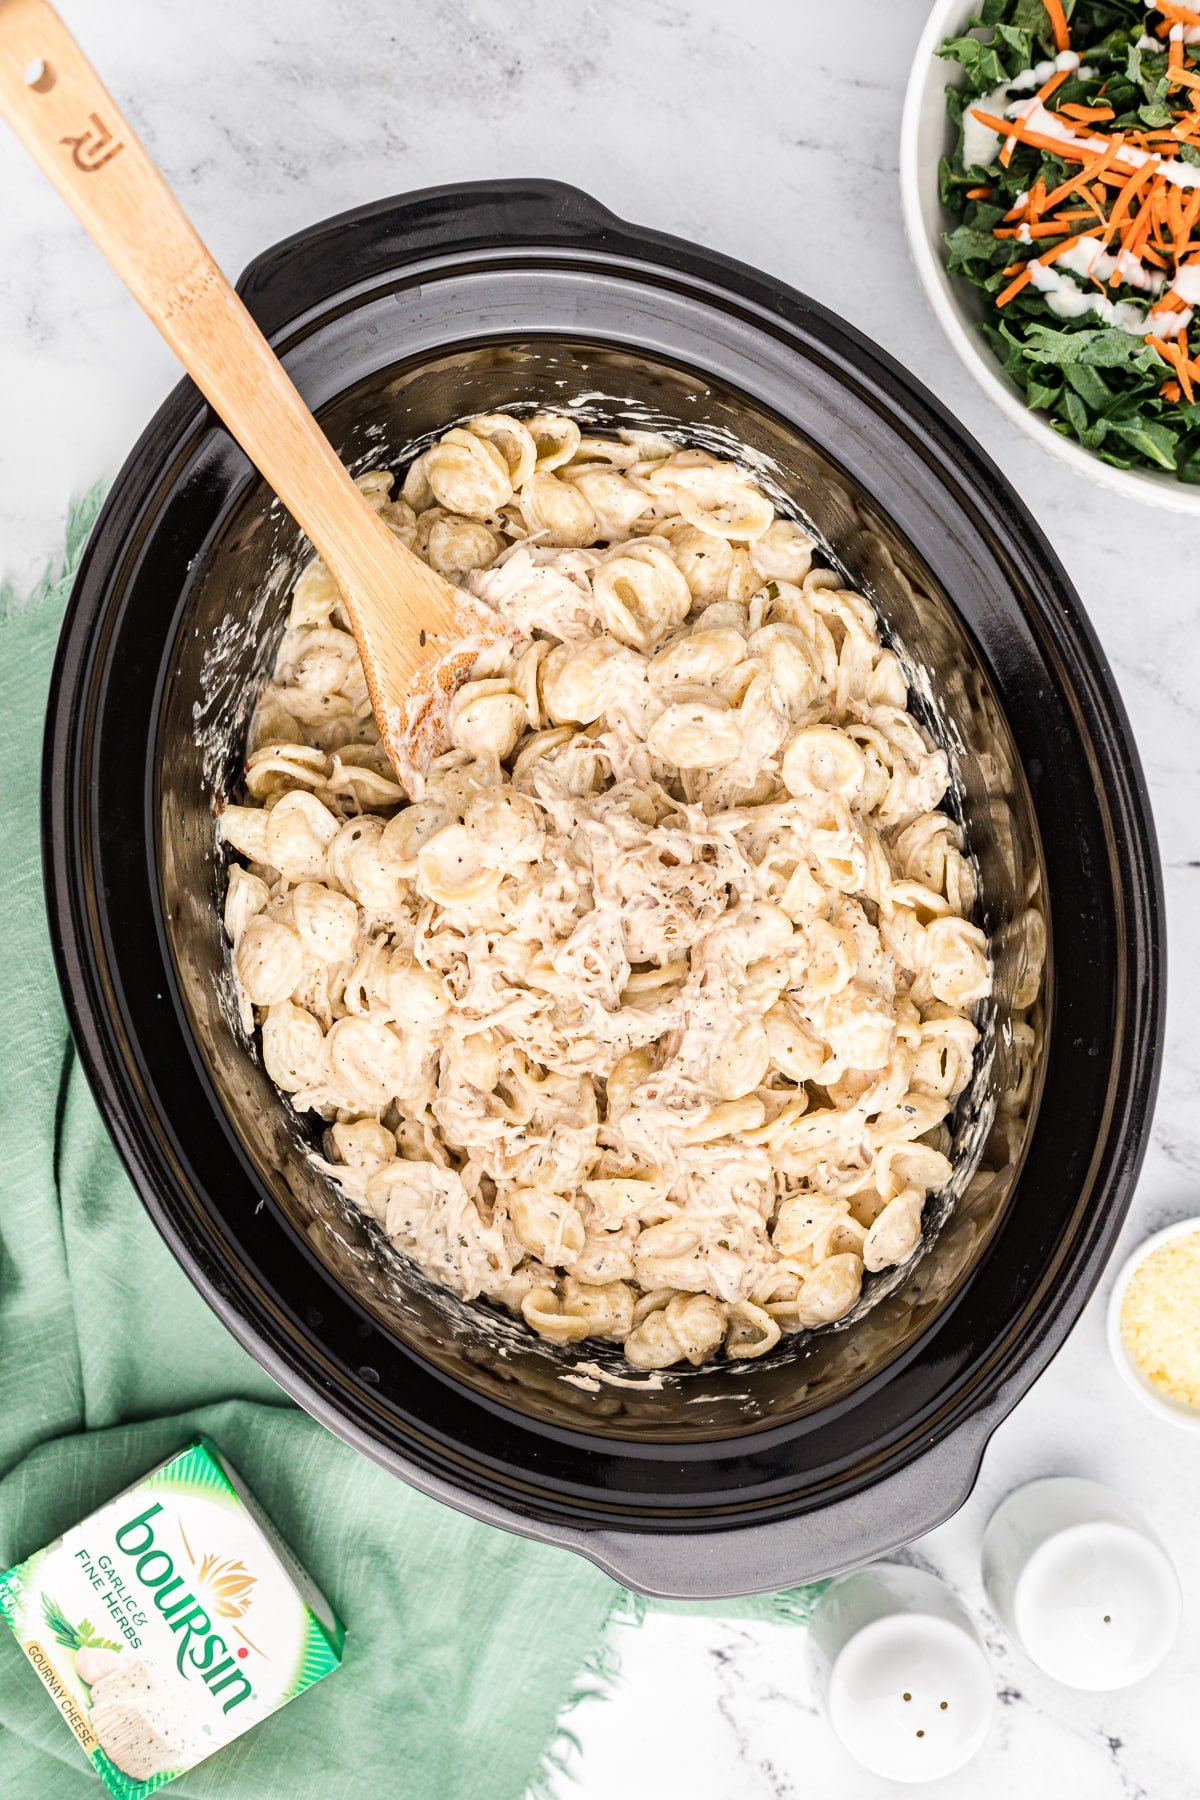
x=1075, y=184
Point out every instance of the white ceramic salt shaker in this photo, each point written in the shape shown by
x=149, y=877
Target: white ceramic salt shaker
x=900, y=1673
x=1078, y=1580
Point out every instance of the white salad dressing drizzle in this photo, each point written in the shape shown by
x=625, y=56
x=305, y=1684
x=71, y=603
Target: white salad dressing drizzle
x=1090, y=258
x=1187, y=283
x=980, y=143
x=1091, y=261
x=1068, y=300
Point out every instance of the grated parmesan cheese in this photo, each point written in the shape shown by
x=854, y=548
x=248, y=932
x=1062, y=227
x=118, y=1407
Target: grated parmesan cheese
x=1160, y=1319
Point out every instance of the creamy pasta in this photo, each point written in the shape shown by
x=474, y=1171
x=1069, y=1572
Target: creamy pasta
x=644, y=1019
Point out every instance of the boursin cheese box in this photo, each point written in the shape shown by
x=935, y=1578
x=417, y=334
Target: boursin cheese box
x=170, y=1622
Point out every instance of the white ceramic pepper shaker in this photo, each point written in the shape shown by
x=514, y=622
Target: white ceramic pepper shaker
x=900, y=1672
x=1080, y=1582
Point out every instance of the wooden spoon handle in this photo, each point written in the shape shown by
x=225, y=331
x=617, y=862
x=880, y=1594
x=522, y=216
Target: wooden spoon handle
x=73, y=128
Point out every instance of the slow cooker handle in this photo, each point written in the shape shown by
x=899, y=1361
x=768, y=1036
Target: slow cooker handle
x=373, y=243
x=759, y=1559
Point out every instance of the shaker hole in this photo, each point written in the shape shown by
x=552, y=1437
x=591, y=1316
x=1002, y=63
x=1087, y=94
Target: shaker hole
x=907, y=1696
x=943, y=1704
x=1108, y=1618
x=920, y=1734
x=39, y=76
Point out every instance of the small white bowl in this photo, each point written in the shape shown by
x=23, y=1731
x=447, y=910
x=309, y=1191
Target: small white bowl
x=926, y=135
x=1173, y=1410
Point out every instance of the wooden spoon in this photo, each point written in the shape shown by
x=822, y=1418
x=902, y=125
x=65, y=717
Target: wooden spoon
x=417, y=634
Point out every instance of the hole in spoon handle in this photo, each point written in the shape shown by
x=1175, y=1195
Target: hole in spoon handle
x=39, y=75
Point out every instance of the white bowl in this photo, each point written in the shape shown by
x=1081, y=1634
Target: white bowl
x=926, y=135
x=1162, y=1404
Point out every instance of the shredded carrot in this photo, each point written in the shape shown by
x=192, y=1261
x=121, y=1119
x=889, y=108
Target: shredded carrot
x=1140, y=223
x=1183, y=365
x=1003, y=126
x=1170, y=390
x=1133, y=242
x=1135, y=236
x=1055, y=82
x=1049, y=228
x=1014, y=287
x=1087, y=115
x=1063, y=148
x=1174, y=14
x=979, y=193
x=1174, y=59
x=1028, y=204
x=1127, y=196
x=1175, y=218
x=1096, y=212
x=1058, y=24
x=1174, y=352
x=1087, y=173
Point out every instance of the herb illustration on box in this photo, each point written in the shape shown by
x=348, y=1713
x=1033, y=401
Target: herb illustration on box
x=95, y=1656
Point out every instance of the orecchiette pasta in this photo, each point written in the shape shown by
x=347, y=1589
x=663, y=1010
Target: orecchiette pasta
x=645, y=1019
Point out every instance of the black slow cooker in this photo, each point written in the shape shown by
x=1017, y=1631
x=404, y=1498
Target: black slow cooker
x=394, y=321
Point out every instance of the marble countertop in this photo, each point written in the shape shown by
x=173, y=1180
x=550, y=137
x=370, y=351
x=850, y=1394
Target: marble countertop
x=768, y=130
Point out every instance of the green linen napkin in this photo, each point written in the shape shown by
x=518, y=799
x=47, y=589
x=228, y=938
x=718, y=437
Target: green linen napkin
x=465, y=1645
